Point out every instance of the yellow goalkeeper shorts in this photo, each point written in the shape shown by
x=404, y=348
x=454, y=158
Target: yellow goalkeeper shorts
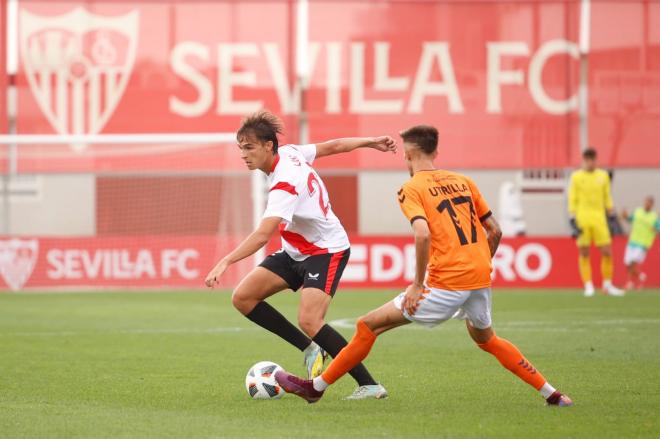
x=594, y=229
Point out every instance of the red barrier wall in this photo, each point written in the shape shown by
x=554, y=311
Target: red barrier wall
x=3, y=69
x=184, y=261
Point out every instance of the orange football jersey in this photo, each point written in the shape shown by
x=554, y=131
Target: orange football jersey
x=453, y=207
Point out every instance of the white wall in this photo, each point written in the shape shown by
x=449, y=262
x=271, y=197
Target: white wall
x=52, y=205
x=65, y=205
x=630, y=186
x=544, y=214
x=378, y=208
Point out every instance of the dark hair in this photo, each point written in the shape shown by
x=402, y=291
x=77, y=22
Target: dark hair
x=589, y=153
x=424, y=136
x=263, y=125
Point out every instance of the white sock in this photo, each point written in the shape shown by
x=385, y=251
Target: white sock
x=588, y=285
x=607, y=283
x=547, y=390
x=319, y=384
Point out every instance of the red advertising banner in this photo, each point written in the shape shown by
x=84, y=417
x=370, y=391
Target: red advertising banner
x=3, y=70
x=114, y=262
x=183, y=262
x=519, y=262
x=504, y=97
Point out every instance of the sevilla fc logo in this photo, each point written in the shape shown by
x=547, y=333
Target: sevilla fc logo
x=78, y=65
x=17, y=260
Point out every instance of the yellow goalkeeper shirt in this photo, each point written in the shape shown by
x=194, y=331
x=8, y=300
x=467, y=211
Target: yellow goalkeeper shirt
x=589, y=192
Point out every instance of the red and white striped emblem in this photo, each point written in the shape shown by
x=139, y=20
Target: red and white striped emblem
x=78, y=65
x=18, y=258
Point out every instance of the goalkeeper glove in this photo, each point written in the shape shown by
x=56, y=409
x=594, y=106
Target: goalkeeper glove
x=614, y=225
x=575, y=230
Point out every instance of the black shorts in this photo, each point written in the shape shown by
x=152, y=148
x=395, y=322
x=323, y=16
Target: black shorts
x=319, y=271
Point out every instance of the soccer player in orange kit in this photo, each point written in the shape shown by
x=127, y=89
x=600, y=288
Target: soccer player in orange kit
x=455, y=239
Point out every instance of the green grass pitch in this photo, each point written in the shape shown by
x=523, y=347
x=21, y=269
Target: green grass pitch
x=172, y=365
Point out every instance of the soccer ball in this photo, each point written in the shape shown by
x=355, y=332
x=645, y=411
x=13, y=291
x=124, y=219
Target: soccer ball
x=260, y=381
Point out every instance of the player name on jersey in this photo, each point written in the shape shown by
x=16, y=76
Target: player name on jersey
x=448, y=189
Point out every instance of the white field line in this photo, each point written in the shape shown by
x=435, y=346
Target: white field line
x=531, y=325
x=221, y=330
x=348, y=323
x=634, y=321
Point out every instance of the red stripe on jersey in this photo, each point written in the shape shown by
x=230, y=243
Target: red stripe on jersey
x=332, y=270
x=284, y=186
x=275, y=162
x=298, y=241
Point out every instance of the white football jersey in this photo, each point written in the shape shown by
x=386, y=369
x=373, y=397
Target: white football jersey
x=298, y=196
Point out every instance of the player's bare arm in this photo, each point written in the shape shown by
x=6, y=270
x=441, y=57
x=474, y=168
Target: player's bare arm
x=348, y=144
x=248, y=247
x=493, y=233
x=625, y=215
x=415, y=291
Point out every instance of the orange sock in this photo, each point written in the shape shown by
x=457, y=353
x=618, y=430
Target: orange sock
x=511, y=358
x=352, y=354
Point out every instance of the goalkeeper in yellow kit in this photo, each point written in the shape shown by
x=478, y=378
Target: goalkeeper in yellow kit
x=590, y=205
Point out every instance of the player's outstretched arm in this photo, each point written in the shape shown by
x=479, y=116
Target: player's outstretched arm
x=493, y=233
x=348, y=144
x=248, y=247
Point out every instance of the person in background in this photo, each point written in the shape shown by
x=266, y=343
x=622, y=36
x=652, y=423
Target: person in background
x=590, y=208
x=644, y=225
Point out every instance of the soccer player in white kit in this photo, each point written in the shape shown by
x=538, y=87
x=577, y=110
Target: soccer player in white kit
x=315, y=247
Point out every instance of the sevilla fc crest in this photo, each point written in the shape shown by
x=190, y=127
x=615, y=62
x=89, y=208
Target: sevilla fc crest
x=17, y=260
x=78, y=65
